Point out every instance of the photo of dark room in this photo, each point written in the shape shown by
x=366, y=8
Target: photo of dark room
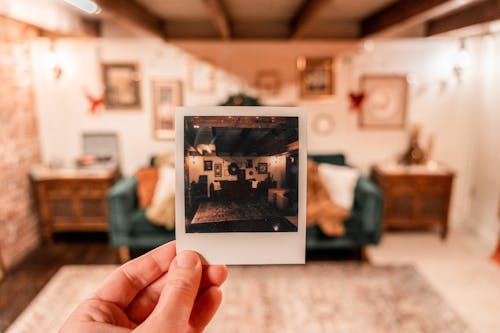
x=241, y=173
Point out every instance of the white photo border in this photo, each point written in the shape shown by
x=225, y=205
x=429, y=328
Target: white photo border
x=242, y=248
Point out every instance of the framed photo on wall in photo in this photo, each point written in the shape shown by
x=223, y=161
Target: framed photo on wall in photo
x=237, y=218
x=262, y=168
x=317, y=77
x=385, y=103
x=122, y=86
x=217, y=170
x=207, y=165
x=167, y=95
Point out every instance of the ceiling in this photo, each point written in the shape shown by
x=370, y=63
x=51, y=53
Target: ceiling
x=297, y=19
x=242, y=136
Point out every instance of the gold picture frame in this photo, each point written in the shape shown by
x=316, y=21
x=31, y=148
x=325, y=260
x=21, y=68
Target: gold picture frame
x=317, y=77
x=167, y=95
x=122, y=86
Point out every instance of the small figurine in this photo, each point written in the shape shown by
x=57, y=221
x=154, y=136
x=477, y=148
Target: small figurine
x=414, y=154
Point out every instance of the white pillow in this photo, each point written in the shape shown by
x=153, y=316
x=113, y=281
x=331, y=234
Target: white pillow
x=340, y=182
x=165, y=186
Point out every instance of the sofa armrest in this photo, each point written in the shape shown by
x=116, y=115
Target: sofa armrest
x=122, y=201
x=368, y=202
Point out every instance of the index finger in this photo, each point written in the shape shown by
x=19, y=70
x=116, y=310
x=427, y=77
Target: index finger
x=123, y=285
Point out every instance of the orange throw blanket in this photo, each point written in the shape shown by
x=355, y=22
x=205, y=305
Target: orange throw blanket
x=321, y=210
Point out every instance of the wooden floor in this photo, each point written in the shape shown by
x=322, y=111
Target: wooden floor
x=22, y=283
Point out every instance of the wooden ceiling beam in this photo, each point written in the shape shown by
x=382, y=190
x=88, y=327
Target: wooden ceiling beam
x=469, y=17
x=406, y=13
x=219, y=17
x=304, y=16
x=132, y=14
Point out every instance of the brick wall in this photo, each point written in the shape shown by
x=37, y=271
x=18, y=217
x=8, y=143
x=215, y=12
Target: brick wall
x=19, y=143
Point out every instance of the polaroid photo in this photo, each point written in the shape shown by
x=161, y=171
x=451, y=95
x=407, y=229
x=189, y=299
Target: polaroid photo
x=241, y=184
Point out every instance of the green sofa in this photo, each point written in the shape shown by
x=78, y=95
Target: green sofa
x=130, y=228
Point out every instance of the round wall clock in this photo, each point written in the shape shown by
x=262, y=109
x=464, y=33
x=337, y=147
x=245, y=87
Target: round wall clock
x=323, y=124
x=233, y=169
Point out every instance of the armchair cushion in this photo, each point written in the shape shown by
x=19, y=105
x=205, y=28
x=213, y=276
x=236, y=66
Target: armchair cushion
x=336, y=159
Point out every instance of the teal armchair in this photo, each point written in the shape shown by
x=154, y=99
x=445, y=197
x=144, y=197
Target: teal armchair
x=130, y=228
x=363, y=227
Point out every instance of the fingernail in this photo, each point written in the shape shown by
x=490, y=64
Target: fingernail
x=187, y=259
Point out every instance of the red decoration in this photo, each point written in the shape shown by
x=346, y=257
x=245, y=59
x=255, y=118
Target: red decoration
x=94, y=103
x=356, y=100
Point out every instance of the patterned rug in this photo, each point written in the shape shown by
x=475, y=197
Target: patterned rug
x=317, y=297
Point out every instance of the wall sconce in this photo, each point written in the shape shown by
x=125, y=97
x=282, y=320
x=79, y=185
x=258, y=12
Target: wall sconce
x=462, y=60
x=53, y=62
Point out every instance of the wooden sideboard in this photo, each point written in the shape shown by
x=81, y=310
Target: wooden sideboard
x=72, y=200
x=415, y=197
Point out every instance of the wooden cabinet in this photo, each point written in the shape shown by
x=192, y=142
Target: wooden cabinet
x=72, y=200
x=415, y=197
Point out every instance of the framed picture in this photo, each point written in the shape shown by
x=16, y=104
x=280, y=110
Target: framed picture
x=261, y=168
x=268, y=82
x=167, y=95
x=201, y=77
x=385, y=102
x=105, y=148
x=316, y=77
x=207, y=165
x=240, y=224
x=122, y=85
x=217, y=170
x=249, y=164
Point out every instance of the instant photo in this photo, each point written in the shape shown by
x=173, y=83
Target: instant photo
x=241, y=177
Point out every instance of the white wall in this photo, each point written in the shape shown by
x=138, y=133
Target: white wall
x=436, y=99
x=486, y=157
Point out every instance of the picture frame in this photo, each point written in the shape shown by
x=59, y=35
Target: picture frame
x=385, y=104
x=167, y=95
x=207, y=165
x=122, y=86
x=218, y=170
x=268, y=82
x=234, y=223
x=261, y=168
x=201, y=76
x=317, y=77
x=105, y=146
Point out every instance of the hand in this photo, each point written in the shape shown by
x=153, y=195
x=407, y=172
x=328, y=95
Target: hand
x=157, y=292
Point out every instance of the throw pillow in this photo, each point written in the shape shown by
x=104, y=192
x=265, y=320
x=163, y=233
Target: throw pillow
x=165, y=186
x=166, y=159
x=340, y=182
x=146, y=184
x=321, y=210
x=162, y=208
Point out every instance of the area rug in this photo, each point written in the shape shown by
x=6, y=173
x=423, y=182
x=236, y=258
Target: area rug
x=317, y=297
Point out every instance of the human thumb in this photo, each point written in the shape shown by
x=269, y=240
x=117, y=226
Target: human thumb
x=177, y=298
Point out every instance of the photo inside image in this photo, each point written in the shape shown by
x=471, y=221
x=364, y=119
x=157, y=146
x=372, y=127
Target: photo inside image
x=241, y=173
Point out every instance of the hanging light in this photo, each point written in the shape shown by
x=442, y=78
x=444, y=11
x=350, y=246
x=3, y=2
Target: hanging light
x=462, y=60
x=53, y=61
x=204, y=141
